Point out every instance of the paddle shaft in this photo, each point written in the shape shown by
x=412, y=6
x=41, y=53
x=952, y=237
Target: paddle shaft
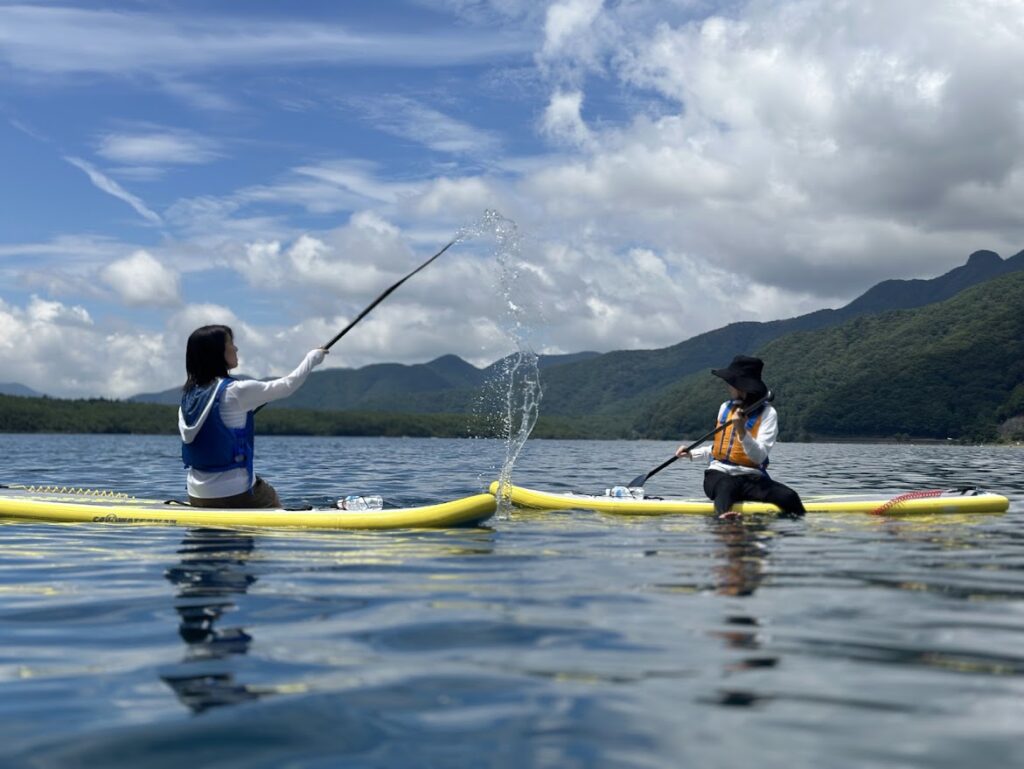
x=640, y=480
x=377, y=301
x=382, y=297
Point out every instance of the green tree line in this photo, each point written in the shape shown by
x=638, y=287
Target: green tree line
x=99, y=415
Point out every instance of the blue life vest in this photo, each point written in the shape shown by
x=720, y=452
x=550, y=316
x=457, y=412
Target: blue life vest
x=217, y=447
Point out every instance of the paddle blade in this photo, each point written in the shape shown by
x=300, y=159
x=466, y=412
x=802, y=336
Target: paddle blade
x=639, y=481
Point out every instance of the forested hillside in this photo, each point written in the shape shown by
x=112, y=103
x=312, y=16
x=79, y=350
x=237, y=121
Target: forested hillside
x=954, y=369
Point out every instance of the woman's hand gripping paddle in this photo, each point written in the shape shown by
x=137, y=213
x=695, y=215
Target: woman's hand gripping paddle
x=641, y=480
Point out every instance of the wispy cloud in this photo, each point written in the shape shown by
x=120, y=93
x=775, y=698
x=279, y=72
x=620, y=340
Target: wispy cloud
x=109, y=186
x=27, y=129
x=66, y=248
x=198, y=95
x=70, y=40
x=329, y=187
x=410, y=119
x=158, y=147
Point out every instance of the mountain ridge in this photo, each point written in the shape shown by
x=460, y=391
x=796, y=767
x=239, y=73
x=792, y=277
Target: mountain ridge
x=617, y=383
x=19, y=390
x=947, y=370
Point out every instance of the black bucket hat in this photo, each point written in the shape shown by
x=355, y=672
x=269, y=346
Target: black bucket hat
x=744, y=373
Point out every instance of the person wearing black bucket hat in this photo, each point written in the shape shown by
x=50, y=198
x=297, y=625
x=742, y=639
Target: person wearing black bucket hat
x=738, y=469
x=744, y=374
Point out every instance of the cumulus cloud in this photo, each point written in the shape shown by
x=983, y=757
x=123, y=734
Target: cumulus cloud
x=56, y=314
x=458, y=199
x=563, y=120
x=567, y=19
x=695, y=164
x=142, y=280
x=346, y=266
x=807, y=146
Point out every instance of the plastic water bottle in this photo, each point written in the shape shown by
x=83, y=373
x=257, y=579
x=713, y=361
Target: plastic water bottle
x=637, y=492
x=356, y=502
x=620, y=492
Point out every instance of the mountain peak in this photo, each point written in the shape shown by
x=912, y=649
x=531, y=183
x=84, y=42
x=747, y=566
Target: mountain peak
x=983, y=257
x=13, y=388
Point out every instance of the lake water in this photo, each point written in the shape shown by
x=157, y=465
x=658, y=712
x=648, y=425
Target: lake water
x=562, y=640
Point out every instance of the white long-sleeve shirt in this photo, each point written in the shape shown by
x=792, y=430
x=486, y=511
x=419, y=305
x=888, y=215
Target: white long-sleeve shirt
x=757, y=448
x=240, y=397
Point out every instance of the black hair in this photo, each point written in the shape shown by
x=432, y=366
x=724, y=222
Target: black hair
x=750, y=398
x=204, y=355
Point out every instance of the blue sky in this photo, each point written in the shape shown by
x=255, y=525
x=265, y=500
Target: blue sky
x=671, y=166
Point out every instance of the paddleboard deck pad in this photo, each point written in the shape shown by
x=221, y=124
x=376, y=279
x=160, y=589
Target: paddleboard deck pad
x=70, y=505
x=930, y=502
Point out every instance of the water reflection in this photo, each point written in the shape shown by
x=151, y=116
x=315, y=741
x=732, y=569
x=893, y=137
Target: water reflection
x=214, y=567
x=743, y=557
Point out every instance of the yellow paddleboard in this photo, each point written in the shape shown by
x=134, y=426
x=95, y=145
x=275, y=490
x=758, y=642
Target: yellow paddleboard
x=947, y=501
x=68, y=505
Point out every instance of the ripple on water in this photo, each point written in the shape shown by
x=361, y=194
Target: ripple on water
x=566, y=639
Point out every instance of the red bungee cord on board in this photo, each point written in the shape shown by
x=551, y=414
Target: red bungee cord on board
x=895, y=501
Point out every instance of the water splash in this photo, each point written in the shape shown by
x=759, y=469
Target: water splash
x=515, y=387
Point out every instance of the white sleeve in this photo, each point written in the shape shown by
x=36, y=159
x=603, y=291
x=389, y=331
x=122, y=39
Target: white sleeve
x=250, y=394
x=757, y=448
x=701, y=451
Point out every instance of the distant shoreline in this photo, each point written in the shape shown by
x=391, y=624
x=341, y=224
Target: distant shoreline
x=26, y=415
x=819, y=441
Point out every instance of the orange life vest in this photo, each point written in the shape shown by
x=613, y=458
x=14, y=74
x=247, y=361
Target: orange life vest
x=728, y=447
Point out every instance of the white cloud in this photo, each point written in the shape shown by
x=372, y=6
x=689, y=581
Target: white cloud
x=575, y=36
x=109, y=186
x=458, y=199
x=411, y=119
x=197, y=95
x=566, y=19
x=65, y=248
x=747, y=160
x=53, y=40
x=328, y=187
x=348, y=263
x=55, y=313
x=158, y=147
x=141, y=280
x=563, y=119
x=812, y=146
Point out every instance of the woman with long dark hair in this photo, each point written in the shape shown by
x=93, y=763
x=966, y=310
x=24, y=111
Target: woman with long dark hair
x=216, y=421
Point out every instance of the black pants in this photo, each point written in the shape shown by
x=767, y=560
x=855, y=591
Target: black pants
x=724, y=490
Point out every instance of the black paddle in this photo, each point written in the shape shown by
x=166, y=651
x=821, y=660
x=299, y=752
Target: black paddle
x=378, y=300
x=382, y=297
x=641, y=480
